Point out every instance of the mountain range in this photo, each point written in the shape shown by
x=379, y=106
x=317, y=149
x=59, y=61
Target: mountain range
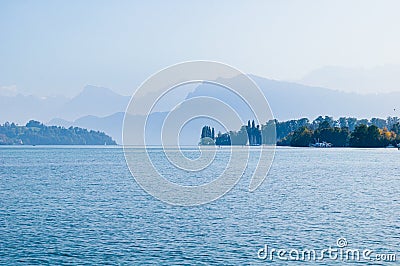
x=93, y=100
x=384, y=78
x=102, y=109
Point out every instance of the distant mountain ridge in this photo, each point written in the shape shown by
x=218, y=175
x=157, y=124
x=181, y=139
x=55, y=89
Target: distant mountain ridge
x=291, y=100
x=364, y=80
x=111, y=125
x=93, y=100
x=102, y=109
x=98, y=101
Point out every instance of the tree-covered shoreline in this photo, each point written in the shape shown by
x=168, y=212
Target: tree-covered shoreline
x=343, y=132
x=36, y=133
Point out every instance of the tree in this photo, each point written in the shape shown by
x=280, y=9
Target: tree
x=381, y=123
x=239, y=137
x=391, y=121
x=338, y=137
x=323, y=125
x=374, y=136
x=35, y=132
x=343, y=122
x=269, y=133
x=33, y=123
x=223, y=139
x=366, y=137
x=358, y=136
x=387, y=137
x=302, y=137
x=362, y=122
x=351, y=123
x=396, y=128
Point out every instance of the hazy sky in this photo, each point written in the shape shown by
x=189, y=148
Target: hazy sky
x=57, y=47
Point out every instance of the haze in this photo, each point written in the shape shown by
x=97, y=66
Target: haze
x=56, y=48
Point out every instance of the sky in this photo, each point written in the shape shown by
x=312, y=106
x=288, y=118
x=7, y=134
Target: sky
x=58, y=47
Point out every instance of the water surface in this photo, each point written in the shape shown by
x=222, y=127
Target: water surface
x=81, y=205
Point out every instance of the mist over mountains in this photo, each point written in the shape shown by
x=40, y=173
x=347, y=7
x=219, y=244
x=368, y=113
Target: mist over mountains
x=292, y=100
x=102, y=109
x=385, y=78
x=92, y=100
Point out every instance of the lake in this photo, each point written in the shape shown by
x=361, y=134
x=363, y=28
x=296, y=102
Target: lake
x=81, y=205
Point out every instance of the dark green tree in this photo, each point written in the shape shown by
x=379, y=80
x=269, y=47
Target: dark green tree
x=366, y=137
x=302, y=137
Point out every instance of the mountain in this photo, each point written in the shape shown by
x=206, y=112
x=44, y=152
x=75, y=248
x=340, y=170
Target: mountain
x=287, y=101
x=101, y=109
x=381, y=79
x=111, y=125
x=292, y=100
x=97, y=101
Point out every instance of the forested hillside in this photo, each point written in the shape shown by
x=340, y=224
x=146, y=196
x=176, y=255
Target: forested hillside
x=35, y=133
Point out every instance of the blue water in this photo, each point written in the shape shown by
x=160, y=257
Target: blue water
x=80, y=205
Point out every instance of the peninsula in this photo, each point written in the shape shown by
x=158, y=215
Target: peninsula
x=36, y=133
x=342, y=132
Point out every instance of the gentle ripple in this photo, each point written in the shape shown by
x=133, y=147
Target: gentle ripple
x=80, y=205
